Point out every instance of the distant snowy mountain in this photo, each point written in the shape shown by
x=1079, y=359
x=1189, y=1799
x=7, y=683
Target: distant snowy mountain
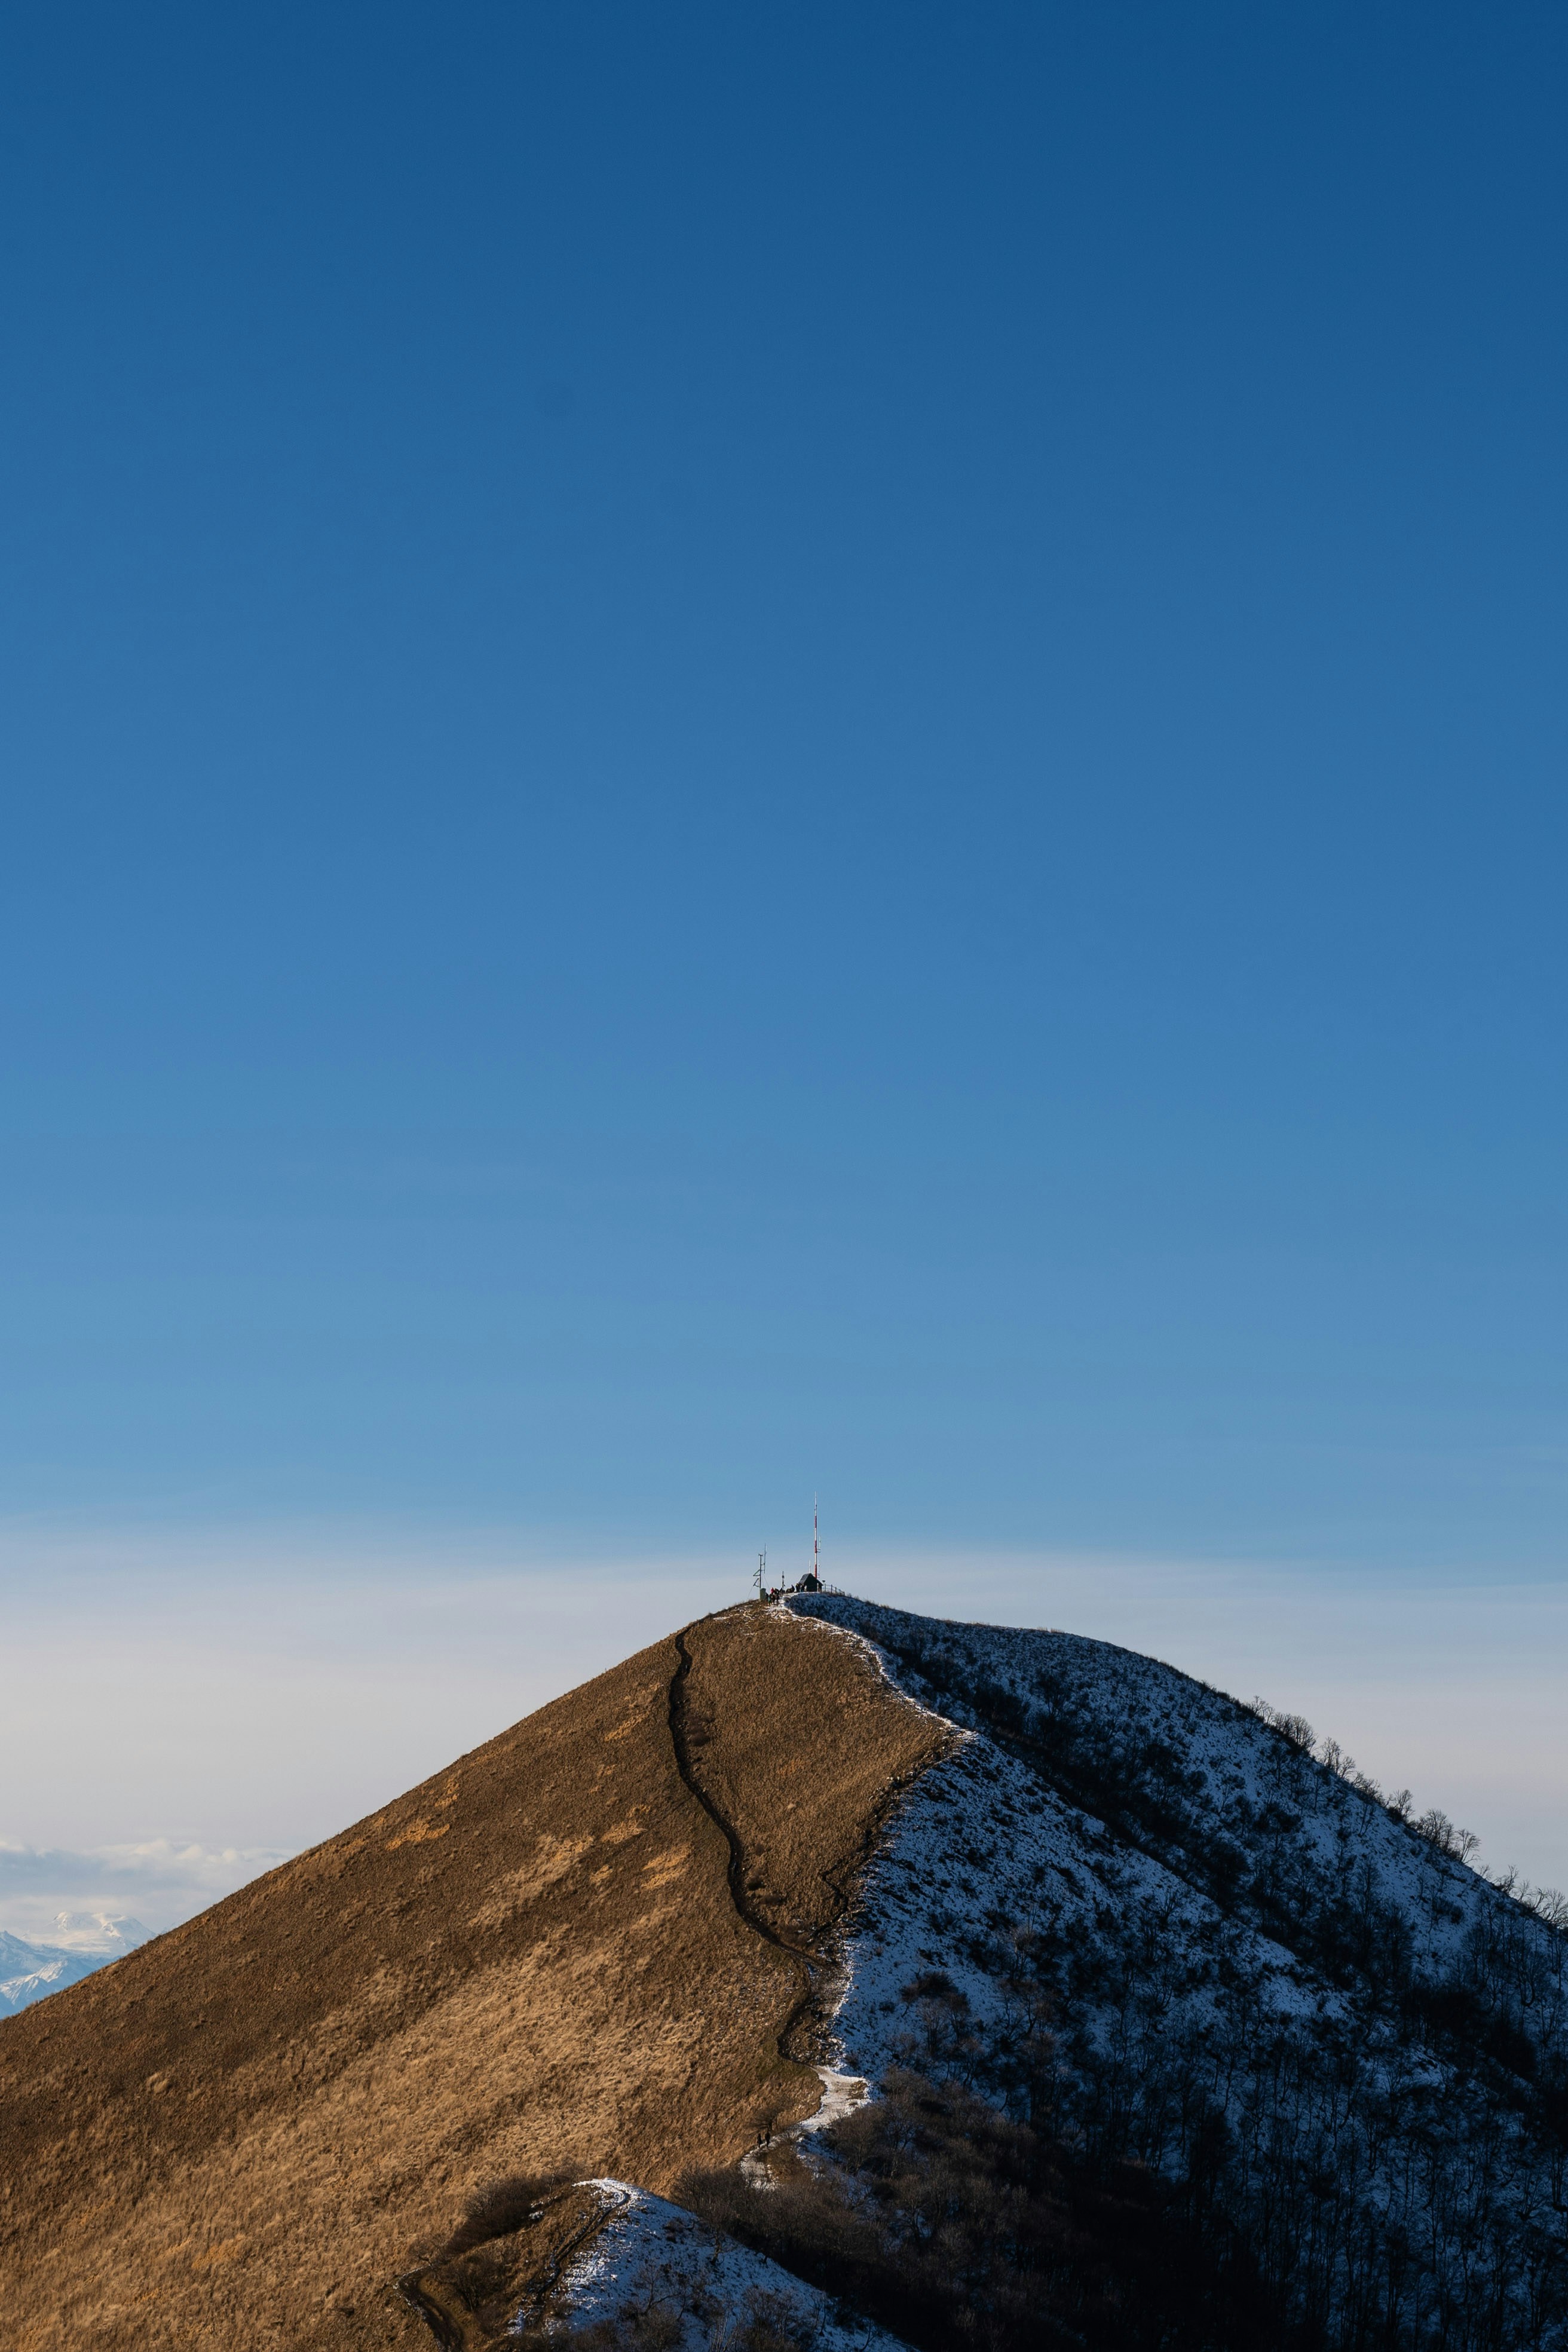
x=84, y=1940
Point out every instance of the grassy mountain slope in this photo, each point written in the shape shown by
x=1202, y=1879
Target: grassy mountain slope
x=577, y=1949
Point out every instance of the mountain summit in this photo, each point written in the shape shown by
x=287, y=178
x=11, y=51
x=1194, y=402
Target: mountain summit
x=823, y=1974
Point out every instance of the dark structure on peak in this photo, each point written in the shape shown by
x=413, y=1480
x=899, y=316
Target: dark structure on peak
x=1185, y=2038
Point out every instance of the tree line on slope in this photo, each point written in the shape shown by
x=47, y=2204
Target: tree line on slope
x=1548, y=1903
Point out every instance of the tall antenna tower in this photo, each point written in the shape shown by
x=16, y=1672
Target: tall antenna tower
x=762, y=1573
x=816, y=1554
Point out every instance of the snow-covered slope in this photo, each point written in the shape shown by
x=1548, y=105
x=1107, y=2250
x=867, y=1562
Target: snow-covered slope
x=84, y=1942
x=654, y=2262
x=1127, y=1900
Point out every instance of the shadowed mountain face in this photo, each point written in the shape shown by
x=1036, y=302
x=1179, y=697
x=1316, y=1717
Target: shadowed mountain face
x=1306, y=2052
x=576, y=1950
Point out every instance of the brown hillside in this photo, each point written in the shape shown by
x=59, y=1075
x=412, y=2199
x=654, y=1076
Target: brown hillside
x=578, y=1947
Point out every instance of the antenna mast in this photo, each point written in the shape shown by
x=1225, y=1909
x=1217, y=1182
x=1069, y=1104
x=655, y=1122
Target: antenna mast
x=816, y=1554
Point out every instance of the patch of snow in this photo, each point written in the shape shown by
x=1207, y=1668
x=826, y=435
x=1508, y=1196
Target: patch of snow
x=651, y=2252
x=841, y=2095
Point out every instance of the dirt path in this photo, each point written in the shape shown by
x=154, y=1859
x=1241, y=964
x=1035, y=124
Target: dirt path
x=740, y=1860
x=800, y=1825
x=807, y=1958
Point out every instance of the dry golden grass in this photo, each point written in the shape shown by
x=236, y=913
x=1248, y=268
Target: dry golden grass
x=237, y=2136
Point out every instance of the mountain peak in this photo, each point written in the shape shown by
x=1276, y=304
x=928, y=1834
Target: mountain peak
x=999, y=1986
x=109, y=1932
x=591, y=1944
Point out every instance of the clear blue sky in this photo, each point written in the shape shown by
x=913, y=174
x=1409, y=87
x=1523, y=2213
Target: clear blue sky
x=754, y=748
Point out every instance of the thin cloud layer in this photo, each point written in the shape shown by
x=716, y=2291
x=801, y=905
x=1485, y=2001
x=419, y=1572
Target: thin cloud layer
x=161, y=1880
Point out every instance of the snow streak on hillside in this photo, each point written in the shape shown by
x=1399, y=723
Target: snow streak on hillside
x=1252, y=1974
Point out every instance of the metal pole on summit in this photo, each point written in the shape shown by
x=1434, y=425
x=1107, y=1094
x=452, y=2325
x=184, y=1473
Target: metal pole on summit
x=816, y=1554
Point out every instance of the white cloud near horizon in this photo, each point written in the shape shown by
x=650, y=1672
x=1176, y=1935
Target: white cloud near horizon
x=234, y=1693
x=157, y=1881
x=178, y=1711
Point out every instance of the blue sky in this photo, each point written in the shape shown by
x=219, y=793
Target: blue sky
x=766, y=751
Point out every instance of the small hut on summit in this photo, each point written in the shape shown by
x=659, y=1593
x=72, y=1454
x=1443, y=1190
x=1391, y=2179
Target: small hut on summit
x=810, y=1582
